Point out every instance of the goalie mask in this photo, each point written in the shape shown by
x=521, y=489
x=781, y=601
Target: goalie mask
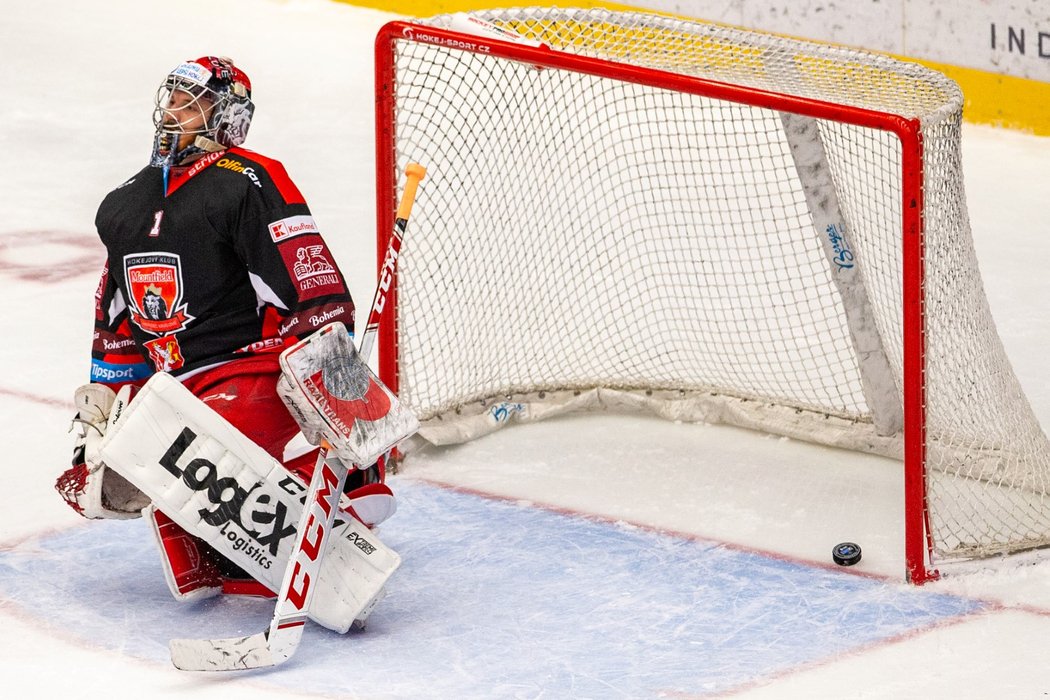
x=203, y=105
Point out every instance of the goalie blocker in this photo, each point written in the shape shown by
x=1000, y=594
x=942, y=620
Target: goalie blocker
x=219, y=486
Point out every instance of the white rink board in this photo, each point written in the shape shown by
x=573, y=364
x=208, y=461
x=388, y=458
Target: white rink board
x=958, y=33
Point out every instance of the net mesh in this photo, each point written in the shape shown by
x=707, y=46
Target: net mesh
x=578, y=232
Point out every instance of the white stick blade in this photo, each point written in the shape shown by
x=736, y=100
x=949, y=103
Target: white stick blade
x=236, y=653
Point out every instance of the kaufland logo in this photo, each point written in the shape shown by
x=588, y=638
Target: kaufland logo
x=283, y=229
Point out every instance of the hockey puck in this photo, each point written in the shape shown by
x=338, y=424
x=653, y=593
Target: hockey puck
x=846, y=554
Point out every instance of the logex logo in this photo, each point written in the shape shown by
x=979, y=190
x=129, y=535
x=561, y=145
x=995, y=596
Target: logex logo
x=253, y=519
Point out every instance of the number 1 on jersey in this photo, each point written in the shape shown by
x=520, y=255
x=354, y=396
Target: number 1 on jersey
x=155, y=231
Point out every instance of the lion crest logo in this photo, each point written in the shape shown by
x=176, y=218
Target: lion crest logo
x=155, y=291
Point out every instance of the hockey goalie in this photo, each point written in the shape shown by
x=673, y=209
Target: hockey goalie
x=220, y=335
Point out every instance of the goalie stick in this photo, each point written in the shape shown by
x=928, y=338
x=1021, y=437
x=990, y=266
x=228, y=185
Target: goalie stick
x=280, y=640
x=414, y=173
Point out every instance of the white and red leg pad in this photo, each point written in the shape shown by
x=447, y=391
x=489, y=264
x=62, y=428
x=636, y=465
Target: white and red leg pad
x=221, y=487
x=190, y=572
x=371, y=503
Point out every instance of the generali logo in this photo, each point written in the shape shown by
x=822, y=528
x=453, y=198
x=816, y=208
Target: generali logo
x=283, y=229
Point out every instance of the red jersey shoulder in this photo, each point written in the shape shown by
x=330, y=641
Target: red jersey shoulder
x=253, y=165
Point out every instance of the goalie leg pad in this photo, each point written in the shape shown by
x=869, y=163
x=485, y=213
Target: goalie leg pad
x=223, y=488
x=190, y=572
x=371, y=503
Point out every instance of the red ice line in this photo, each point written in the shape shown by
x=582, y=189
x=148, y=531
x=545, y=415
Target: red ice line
x=87, y=259
x=33, y=398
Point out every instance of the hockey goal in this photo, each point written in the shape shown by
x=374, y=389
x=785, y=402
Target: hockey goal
x=710, y=224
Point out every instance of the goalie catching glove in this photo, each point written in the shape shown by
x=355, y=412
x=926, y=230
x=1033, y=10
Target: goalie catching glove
x=88, y=487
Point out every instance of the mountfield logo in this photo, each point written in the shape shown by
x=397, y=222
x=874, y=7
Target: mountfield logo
x=283, y=229
x=154, y=284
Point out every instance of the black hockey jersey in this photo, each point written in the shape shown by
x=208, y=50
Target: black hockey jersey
x=227, y=262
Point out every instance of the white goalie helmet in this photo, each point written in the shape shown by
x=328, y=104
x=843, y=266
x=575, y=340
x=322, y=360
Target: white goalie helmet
x=208, y=97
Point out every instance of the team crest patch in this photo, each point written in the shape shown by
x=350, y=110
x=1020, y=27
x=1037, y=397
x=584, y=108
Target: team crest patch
x=154, y=283
x=310, y=263
x=165, y=353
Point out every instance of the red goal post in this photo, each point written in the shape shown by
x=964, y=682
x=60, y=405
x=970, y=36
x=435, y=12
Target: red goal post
x=443, y=98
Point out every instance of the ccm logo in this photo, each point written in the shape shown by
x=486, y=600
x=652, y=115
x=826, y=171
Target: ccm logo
x=313, y=537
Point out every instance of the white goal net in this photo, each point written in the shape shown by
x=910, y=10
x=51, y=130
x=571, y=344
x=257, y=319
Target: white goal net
x=712, y=225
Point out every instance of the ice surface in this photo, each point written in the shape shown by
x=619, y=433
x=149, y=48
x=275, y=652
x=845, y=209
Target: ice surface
x=702, y=567
x=503, y=599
